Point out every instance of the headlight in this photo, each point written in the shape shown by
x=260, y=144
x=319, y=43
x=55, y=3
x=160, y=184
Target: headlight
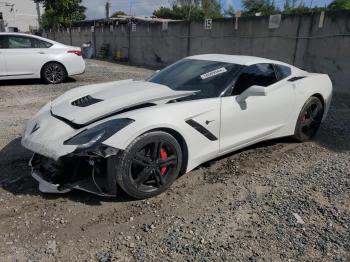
x=89, y=137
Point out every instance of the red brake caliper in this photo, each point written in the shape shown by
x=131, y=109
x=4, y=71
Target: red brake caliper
x=303, y=119
x=163, y=155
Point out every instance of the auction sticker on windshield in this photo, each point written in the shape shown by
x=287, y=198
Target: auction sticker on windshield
x=214, y=73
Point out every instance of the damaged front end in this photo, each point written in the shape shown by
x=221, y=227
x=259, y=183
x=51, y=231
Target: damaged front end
x=68, y=157
x=88, y=171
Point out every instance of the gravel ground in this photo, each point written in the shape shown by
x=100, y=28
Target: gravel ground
x=278, y=200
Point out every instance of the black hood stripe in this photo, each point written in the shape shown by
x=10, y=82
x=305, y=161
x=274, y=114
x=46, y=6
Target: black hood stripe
x=78, y=126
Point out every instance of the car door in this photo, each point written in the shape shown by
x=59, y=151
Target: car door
x=257, y=117
x=23, y=56
x=2, y=59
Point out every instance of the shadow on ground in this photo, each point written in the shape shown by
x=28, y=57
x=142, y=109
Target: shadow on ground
x=15, y=177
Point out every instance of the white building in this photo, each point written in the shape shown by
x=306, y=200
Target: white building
x=19, y=14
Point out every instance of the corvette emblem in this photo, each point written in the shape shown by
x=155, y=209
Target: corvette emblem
x=35, y=128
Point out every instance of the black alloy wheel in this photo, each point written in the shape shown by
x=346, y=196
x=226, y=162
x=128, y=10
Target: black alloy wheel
x=54, y=73
x=309, y=119
x=149, y=165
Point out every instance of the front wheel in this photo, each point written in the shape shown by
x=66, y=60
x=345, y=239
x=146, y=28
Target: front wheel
x=53, y=73
x=309, y=119
x=149, y=165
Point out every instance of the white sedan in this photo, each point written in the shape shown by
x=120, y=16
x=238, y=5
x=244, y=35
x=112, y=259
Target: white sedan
x=24, y=56
x=141, y=135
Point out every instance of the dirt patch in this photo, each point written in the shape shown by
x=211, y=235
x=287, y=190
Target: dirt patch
x=278, y=200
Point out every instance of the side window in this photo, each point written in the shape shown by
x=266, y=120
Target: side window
x=259, y=74
x=19, y=42
x=36, y=43
x=282, y=71
x=2, y=42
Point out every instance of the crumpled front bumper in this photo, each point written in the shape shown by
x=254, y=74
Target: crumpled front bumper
x=90, y=184
x=47, y=187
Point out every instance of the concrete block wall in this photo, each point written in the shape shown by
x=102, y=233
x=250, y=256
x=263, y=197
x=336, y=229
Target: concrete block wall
x=149, y=45
x=299, y=40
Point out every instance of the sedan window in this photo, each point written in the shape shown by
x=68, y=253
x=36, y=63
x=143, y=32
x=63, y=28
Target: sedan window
x=19, y=42
x=2, y=42
x=259, y=74
x=36, y=43
x=16, y=42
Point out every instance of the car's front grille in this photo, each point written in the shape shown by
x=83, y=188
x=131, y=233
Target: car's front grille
x=85, y=101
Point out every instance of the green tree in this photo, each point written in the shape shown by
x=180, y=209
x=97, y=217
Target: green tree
x=192, y=12
x=339, y=4
x=61, y=13
x=264, y=7
x=290, y=7
x=118, y=13
x=230, y=11
x=211, y=8
x=300, y=9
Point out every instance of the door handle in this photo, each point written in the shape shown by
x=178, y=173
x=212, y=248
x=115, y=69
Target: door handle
x=42, y=53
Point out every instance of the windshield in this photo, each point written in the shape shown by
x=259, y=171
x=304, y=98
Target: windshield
x=209, y=78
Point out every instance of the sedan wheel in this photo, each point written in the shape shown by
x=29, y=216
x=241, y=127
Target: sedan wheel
x=309, y=119
x=54, y=73
x=149, y=165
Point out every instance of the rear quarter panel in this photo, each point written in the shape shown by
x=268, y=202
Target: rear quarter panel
x=311, y=85
x=74, y=64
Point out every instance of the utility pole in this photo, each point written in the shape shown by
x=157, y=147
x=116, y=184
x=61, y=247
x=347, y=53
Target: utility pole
x=2, y=25
x=107, y=7
x=39, y=15
x=130, y=8
x=189, y=11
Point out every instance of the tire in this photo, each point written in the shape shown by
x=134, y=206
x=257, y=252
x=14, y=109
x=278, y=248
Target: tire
x=53, y=73
x=149, y=165
x=309, y=119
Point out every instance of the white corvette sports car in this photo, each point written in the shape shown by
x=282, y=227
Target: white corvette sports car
x=140, y=135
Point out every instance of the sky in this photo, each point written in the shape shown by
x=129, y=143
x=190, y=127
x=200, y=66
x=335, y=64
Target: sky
x=96, y=8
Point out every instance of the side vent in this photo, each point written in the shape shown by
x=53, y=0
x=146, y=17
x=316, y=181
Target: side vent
x=201, y=129
x=85, y=101
x=293, y=79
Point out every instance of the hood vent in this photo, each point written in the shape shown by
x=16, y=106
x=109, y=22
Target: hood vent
x=85, y=101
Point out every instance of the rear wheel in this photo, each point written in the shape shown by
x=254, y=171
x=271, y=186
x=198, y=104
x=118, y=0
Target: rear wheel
x=53, y=73
x=149, y=165
x=309, y=119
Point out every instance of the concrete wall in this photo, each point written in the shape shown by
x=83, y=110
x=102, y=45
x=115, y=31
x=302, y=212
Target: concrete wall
x=299, y=40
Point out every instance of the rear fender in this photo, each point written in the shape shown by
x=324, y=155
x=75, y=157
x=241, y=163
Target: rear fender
x=313, y=84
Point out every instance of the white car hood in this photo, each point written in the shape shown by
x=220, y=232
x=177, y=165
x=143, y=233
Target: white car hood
x=115, y=97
